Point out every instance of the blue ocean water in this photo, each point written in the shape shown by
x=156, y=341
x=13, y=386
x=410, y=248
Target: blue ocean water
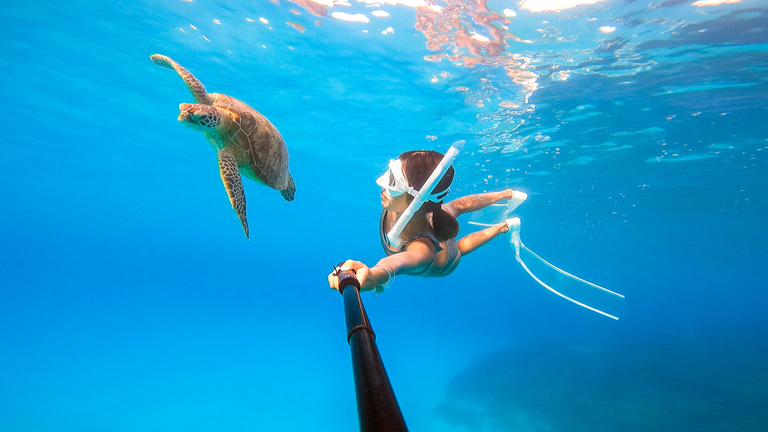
x=130, y=299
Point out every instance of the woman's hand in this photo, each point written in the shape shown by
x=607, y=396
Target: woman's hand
x=362, y=272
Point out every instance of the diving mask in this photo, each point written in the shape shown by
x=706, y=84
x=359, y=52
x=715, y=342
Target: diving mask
x=394, y=182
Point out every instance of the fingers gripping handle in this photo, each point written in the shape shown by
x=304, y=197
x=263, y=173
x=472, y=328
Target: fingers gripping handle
x=346, y=278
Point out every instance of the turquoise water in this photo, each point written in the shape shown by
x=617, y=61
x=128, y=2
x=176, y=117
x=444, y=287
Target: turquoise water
x=130, y=299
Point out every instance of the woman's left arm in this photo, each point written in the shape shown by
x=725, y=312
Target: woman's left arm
x=471, y=203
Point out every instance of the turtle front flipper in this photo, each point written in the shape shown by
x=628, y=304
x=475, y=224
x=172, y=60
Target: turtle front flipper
x=195, y=86
x=234, y=186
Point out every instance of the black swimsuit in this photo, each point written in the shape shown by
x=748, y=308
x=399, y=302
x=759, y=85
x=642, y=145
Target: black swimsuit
x=451, y=262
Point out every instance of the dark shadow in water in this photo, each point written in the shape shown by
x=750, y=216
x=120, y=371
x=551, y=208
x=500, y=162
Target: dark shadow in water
x=655, y=385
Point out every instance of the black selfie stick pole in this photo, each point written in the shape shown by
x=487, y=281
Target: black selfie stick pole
x=377, y=407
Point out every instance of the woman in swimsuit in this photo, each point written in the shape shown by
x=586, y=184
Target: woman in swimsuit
x=430, y=248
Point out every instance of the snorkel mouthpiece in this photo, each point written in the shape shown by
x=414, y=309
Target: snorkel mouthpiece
x=394, y=234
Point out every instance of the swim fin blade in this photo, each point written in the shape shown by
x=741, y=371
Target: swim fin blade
x=518, y=246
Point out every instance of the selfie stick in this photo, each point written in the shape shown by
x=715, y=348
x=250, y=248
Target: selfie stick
x=377, y=408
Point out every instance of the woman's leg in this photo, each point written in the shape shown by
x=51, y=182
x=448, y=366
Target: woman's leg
x=473, y=241
x=476, y=202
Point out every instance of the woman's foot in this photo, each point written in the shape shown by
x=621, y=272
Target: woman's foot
x=510, y=224
x=515, y=200
x=513, y=224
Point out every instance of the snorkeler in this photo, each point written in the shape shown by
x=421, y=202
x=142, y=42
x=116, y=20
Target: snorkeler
x=424, y=242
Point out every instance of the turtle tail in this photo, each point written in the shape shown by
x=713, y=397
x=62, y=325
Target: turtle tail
x=290, y=190
x=195, y=86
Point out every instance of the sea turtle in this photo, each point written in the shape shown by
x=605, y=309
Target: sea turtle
x=246, y=142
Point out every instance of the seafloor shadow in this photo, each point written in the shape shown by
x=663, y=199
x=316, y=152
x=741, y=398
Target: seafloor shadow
x=669, y=385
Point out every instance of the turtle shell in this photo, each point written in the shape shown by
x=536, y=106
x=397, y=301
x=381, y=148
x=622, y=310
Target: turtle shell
x=259, y=148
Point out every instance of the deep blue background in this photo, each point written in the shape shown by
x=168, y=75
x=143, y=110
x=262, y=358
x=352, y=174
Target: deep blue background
x=130, y=299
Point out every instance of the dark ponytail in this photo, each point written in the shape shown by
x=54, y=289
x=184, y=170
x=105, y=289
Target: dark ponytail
x=446, y=226
x=417, y=167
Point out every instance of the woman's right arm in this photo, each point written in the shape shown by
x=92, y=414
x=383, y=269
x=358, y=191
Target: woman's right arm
x=369, y=277
x=417, y=254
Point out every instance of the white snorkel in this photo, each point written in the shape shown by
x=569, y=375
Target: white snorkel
x=393, y=236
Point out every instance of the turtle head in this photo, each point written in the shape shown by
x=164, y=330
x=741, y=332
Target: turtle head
x=202, y=118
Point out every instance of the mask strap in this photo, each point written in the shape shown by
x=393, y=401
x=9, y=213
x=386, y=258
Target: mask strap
x=423, y=195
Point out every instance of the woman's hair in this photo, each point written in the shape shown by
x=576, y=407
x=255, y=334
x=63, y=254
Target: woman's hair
x=417, y=167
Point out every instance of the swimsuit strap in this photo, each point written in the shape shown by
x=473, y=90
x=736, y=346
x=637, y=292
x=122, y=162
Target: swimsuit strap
x=454, y=256
x=388, y=248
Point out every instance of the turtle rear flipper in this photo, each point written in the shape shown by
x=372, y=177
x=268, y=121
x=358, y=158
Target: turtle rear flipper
x=289, y=192
x=234, y=186
x=195, y=86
